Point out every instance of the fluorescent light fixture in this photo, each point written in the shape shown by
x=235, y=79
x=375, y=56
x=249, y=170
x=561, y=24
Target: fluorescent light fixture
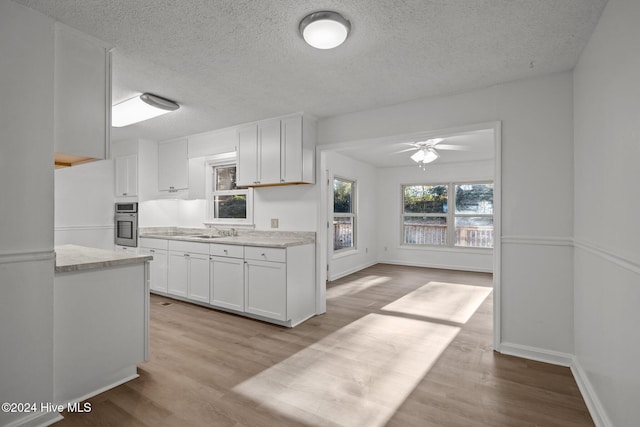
x=139, y=108
x=325, y=30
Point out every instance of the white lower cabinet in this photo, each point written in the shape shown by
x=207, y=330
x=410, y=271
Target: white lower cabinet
x=227, y=288
x=157, y=268
x=188, y=276
x=198, y=281
x=267, y=283
x=178, y=274
x=188, y=270
x=266, y=289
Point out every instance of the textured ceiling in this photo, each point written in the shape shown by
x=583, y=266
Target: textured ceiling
x=232, y=61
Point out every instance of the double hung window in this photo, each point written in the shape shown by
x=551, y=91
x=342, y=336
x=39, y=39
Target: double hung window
x=452, y=214
x=227, y=203
x=344, y=214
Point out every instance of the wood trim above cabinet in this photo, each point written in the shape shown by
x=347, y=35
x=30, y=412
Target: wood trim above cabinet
x=61, y=160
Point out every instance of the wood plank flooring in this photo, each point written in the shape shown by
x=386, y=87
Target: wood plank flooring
x=398, y=346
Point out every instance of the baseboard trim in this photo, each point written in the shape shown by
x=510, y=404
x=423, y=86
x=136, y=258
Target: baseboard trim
x=440, y=266
x=37, y=419
x=537, y=354
x=131, y=374
x=594, y=405
x=342, y=274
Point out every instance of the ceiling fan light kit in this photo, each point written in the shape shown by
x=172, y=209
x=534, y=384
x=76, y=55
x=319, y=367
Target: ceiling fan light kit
x=426, y=152
x=325, y=29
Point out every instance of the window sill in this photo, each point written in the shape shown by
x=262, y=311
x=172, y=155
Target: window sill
x=345, y=253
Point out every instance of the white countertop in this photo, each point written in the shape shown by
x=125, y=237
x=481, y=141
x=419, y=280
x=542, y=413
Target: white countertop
x=277, y=239
x=76, y=258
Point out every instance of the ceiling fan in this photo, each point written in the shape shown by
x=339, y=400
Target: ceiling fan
x=425, y=151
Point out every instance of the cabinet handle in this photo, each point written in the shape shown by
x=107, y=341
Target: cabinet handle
x=153, y=251
x=226, y=252
x=263, y=255
x=187, y=255
x=124, y=194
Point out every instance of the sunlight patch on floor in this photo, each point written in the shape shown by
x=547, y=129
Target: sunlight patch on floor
x=356, y=286
x=450, y=302
x=357, y=376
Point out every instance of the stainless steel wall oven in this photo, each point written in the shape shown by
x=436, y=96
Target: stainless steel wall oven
x=126, y=224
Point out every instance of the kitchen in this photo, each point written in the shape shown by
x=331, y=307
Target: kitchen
x=543, y=268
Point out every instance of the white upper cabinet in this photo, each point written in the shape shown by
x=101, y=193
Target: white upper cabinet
x=136, y=169
x=247, y=174
x=276, y=151
x=127, y=175
x=269, y=152
x=82, y=79
x=173, y=165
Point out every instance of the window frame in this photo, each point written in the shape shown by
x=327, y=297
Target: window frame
x=424, y=214
x=353, y=214
x=450, y=216
x=471, y=215
x=225, y=160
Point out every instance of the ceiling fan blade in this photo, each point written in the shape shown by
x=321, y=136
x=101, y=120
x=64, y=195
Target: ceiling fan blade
x=405, y=150
x=452, y=147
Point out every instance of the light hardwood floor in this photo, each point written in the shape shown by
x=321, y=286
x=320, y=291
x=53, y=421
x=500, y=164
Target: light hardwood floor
x=398, y=346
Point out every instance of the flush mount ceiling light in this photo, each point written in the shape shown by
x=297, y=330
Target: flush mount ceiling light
x=325, y=30
x=139, y=108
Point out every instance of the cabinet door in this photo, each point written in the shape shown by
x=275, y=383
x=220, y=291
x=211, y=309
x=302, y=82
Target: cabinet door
x=178, y=274
x=247, y=156
x=82, y=86
x=199, y=278
x=266, y=289
x=227, y=283
x=269, y=165
x=157, y=269
x=127, y=175
x=291, y=168
x=173, y=165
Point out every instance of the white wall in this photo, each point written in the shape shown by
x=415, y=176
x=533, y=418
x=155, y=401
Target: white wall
x=607, y=254
x=84, y=205
x=293, y=205
x=537, y=183
x=365, y=253
x=389, y=184
x=26, y=209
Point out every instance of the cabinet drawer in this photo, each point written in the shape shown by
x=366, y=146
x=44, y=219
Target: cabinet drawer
x=232, y=251
x=265, y=254
x=193, y=247
x=154, y=243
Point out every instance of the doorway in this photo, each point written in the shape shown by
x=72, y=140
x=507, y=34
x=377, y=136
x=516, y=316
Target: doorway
x=390, y=158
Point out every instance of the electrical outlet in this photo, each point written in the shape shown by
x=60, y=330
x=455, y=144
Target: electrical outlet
x=274, y=223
